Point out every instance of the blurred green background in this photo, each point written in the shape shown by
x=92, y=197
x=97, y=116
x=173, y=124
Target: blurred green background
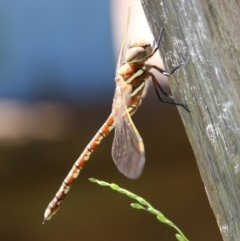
x=56, y=89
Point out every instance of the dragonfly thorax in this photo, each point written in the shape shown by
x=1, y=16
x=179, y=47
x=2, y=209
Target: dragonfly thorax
x=138, y=51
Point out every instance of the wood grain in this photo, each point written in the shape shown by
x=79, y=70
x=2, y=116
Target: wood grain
x=205, y=35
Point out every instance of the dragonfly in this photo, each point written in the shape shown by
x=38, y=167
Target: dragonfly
x=127, y=149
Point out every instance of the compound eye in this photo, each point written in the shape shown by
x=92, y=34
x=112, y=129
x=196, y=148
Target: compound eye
x=136, y=54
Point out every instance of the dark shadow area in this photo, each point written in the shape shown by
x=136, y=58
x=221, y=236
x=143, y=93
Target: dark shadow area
x=33, y=168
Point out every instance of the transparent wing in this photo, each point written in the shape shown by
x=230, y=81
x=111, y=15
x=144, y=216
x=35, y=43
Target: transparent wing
x=120, y=57
x=128, y=148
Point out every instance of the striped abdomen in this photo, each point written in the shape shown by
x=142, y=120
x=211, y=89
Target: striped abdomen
x=77, y=167
x=134, y=75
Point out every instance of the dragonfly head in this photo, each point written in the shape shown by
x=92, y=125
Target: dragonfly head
x=138, y=51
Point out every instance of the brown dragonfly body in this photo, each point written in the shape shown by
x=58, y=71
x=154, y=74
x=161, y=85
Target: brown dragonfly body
x=128, y=149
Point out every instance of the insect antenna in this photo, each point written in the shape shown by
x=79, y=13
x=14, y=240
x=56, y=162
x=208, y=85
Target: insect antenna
x=159, y=41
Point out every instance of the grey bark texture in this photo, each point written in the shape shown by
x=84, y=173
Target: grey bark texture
x=206, y=35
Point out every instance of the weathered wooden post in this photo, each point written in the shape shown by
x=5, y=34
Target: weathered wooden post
x=206, y=35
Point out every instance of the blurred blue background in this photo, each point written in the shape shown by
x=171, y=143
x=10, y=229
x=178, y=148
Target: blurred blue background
x=55, y=49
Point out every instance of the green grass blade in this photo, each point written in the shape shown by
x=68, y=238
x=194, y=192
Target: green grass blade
x=142, y=204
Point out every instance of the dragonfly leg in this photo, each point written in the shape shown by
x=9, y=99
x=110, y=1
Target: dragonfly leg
x=162, y=71
x=158, y=88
